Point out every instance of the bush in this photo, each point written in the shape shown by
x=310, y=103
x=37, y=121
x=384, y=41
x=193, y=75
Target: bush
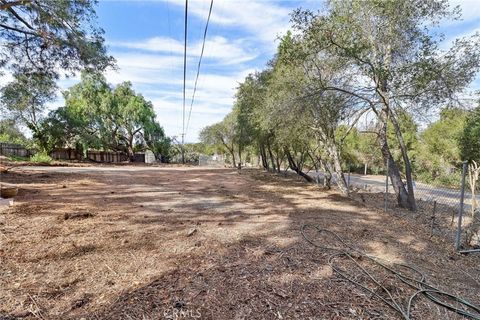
x=41, y=157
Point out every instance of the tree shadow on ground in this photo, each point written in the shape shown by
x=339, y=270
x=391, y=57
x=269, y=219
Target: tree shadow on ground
x=228, y=246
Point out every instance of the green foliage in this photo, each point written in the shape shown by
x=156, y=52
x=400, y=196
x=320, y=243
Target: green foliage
x=41, y=157
x=156, y=140
x=441, y=138
x=192, y=152
x=470, y=137
x=437, y=152
x=354, y=57
x=9, y=132
x=23, y=99
x=49, y=36
x=222, y=135
x=97, y=116
x=359, y=149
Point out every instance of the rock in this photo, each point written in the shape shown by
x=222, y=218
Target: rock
x=191, y=232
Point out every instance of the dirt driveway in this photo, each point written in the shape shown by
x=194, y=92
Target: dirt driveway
x=193, y=243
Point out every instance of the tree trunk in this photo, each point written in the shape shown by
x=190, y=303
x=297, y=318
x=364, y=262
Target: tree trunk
x=316, y=165
x=393, y=171
x=232, y=151
x=263, y=155
x=131, y=153
x=408, y=168
x=329, y=143
x=327, y=180
x=272, y=158
x=294, y=166
x=239, y=156
x=277, y=158
x=341, y=183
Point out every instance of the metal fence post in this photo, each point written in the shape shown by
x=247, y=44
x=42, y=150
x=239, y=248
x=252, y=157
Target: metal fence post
x=386, y=185
x=348, y=179
x=460, y=209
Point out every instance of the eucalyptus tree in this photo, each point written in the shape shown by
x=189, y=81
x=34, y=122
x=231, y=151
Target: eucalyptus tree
x=390, y=55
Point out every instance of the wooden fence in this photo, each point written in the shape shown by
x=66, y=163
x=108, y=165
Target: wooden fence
x=107, y=156
x=92, y=155
x=65, y=154
x=11, y=149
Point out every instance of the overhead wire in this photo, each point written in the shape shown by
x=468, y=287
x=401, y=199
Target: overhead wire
x=184, y=78
x=184, y=71
x=199, y=64
x=419, y=283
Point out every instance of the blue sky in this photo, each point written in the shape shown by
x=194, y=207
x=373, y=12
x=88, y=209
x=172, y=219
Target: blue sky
x=146, y=38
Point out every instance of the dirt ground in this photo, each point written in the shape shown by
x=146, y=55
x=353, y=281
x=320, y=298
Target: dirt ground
x=197, y=243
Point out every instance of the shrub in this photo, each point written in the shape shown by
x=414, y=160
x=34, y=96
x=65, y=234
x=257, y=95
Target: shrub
x=41, y=157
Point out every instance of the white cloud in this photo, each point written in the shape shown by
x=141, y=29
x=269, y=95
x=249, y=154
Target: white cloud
x=159, y=44
x=262, y=19
x=216, y=47
x=140, y=68
x=158, y=76
x=470, y=9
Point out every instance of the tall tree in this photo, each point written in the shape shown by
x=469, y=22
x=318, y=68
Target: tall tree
x=101, y=117
x=390, y=61
x=134, y=115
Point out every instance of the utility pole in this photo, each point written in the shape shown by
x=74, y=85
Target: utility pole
x=183, y=149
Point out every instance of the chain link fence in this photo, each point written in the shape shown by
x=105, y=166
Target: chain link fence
x=446, y=207
x=211, y=161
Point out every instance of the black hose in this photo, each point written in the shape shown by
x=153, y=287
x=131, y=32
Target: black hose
x=420, y=285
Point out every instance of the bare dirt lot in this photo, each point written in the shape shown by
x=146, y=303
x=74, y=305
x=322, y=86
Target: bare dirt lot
x=193, y=243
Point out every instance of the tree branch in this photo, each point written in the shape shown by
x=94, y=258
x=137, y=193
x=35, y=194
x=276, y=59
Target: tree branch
x=7, y=5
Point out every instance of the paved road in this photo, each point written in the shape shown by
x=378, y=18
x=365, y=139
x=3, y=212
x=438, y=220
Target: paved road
x=423, y=191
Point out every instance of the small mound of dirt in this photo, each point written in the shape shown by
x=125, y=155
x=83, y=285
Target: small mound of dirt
x=78, y=215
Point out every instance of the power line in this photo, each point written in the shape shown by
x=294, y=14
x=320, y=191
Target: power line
x=199, y=64
x=184, y=79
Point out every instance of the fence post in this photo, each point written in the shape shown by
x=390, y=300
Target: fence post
x=460, y=209
x=386, y=185
x=348, y=179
